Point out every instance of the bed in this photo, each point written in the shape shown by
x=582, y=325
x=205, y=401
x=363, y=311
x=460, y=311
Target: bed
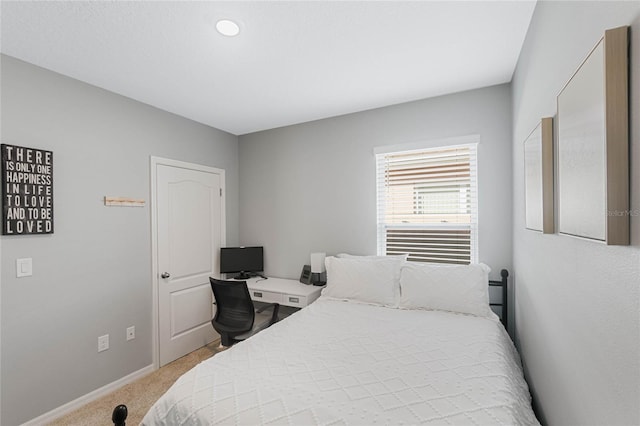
x=369, y=351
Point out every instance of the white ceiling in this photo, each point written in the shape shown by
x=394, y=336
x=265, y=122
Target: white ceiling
x=292, y=62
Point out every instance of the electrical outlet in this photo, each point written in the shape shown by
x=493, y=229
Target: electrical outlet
x=103, y=343
x=131, y=333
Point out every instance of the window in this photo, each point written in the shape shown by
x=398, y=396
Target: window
x=428, y=204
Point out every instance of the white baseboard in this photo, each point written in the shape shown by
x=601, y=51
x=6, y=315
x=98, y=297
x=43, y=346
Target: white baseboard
x=92, y=396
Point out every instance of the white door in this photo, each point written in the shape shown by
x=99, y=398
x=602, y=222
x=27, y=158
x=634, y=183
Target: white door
x=190, y=232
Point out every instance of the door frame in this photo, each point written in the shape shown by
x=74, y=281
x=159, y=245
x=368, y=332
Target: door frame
x=155, y=273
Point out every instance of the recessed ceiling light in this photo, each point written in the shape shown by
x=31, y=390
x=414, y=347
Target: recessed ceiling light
x=227, y=28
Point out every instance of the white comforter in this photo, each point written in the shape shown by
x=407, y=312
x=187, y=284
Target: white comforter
x=340, y=362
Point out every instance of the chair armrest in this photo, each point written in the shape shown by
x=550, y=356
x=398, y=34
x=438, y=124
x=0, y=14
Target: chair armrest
x=274, y=316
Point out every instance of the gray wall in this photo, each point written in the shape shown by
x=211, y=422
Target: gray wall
x=311, y=187
x=93, y=275
x=577, y=301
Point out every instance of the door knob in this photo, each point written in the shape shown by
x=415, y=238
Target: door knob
x=165, y=275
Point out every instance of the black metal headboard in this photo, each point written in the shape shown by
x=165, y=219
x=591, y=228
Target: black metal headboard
x=505, y=301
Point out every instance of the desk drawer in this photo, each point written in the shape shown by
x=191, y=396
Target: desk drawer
x=266, y=296
x=294, y=300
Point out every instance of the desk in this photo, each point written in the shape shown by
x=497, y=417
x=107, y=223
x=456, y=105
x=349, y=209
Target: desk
x=283, y=291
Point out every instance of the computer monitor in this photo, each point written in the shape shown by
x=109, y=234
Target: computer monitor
x=247, y=261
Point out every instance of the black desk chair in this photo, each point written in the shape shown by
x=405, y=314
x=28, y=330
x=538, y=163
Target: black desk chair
x=235, y=314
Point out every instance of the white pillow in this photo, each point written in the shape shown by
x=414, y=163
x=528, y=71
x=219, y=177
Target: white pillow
x=363, y=279
x=454, y=288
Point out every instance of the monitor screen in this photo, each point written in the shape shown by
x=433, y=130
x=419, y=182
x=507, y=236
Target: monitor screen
x=245, y=260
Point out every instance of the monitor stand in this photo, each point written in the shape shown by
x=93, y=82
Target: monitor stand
x=242, y=276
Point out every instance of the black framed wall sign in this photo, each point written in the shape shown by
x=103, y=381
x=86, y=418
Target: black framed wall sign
x=27, y=190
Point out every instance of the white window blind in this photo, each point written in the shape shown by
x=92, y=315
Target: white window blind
x=428, y=204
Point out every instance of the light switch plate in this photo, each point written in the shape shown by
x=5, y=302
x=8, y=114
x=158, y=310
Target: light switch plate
x=24, y=267
x=103, y=343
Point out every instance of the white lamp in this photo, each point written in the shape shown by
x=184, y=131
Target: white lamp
x=318, y=276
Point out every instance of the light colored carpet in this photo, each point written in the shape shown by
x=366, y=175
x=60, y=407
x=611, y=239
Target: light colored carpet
x=138, y=396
